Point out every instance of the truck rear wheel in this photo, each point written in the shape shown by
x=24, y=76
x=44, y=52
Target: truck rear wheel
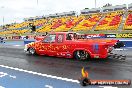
x=81, y=55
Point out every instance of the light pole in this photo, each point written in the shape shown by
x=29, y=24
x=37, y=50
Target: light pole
x=95, y=3
x=37, y=2
x=3, y=18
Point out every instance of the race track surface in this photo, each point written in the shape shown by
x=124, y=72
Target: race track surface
x=111, y=68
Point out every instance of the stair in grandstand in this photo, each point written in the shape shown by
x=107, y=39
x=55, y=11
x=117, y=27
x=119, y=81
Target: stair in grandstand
x=76, y=25
x=98, y=22
x=123, y=21
x=49, y=21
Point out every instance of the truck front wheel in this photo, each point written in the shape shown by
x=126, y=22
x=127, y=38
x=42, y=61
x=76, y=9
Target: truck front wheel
x=31, y=51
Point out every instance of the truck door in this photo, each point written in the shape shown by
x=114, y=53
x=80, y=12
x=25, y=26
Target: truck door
x=61, y=46
x=48, y=45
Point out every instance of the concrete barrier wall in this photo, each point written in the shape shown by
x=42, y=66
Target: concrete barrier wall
x=26, y=41
x=128, y=43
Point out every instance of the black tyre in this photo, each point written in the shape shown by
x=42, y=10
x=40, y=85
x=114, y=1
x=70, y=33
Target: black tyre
x=31, y=51
x=81, y=55
x=85, y=82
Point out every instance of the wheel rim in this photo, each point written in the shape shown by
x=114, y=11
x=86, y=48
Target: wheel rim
x=32, y=51
x=83, y=55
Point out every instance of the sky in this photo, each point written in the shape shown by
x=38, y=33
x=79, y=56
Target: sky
x=15, y=10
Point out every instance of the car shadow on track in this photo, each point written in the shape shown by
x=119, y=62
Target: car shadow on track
x=61, y=59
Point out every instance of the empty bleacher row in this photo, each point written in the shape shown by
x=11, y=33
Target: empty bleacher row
x=88, y=22
x=111, y=21
x=59, y=24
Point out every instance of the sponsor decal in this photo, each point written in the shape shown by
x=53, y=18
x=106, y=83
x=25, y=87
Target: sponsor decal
x=30, y=37
x=110, y=35
x=96, y=48
x=23, y=37
x=85, y=80
x=15, y=37
x=124, y=35
x=95, y=35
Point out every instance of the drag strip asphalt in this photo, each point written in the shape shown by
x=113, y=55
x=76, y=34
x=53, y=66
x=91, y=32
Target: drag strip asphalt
x=18, y=78
x=66, y=68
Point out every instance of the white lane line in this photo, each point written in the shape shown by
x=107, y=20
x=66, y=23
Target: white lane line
x=120, y=49
x=125, y=40
x=16, y=45
x=107, y=87
x=40, y=74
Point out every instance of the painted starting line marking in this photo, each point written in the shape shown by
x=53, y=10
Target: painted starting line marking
x=40, y=74
x=2, y=87
x=48, y=86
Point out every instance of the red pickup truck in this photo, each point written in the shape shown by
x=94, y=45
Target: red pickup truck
x=67, y=44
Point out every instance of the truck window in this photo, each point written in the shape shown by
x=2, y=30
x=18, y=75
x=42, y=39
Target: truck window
x=60, y=38
x=71, y=36
x=49, y=38
x=68, y=37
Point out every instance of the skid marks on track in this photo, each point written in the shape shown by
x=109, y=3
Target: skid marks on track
x=117, y=56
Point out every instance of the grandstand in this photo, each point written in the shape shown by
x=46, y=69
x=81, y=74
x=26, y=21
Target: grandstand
x=128, y=22
x=111, y=19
